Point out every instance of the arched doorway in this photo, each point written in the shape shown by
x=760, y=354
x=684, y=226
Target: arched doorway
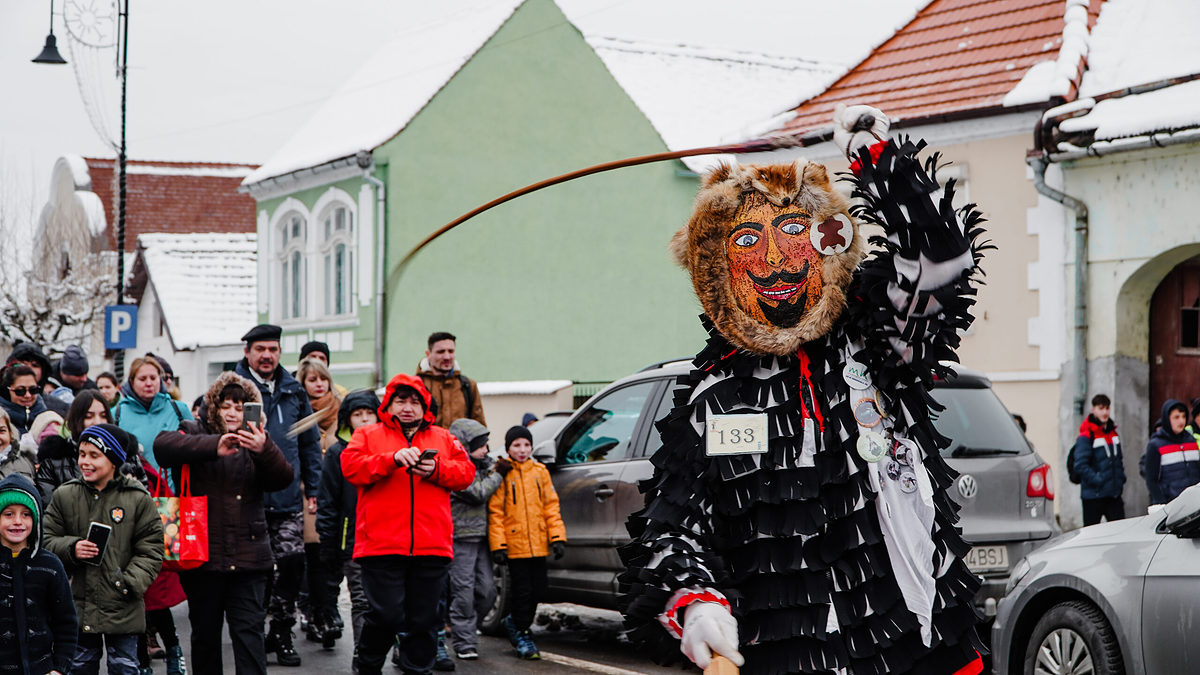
x=1175, y=337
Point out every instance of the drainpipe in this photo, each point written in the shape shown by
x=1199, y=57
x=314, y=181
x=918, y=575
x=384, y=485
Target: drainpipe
x=1039, y=164
x=364, y=162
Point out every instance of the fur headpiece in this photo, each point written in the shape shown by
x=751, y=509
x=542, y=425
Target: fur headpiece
x=212, y=399
x=701, y=248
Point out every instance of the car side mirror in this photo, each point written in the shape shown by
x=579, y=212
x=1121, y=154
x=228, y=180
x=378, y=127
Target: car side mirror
x=1183, y=514
x=546, y=452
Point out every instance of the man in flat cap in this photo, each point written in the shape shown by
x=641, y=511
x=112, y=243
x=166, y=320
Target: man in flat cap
x=284, y=403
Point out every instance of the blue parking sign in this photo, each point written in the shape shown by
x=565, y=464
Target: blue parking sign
x=120, y=326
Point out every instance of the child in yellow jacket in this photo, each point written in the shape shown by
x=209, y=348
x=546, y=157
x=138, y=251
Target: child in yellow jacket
x=524, y=526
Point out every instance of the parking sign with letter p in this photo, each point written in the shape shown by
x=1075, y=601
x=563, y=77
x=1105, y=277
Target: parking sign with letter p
x=120, y=326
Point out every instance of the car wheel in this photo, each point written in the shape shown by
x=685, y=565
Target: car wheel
x=490, y=623
x=1073, y=638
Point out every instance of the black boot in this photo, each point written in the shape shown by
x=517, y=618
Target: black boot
x=279, y=640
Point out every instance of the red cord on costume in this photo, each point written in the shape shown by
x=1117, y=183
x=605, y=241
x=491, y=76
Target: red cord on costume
x=672, y=616
x=973, y=668
x=806, y=375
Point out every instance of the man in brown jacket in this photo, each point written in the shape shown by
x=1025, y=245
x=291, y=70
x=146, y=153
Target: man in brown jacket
x=455, y=395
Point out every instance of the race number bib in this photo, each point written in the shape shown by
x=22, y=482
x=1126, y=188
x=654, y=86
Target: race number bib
x=735, y=434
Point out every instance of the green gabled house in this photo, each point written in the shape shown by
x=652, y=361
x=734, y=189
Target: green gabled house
x=573, y=282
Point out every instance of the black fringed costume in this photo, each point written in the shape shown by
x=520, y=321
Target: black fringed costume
x=793, y=537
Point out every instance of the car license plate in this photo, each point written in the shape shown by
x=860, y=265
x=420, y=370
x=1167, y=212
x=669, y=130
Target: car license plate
x=987, y=558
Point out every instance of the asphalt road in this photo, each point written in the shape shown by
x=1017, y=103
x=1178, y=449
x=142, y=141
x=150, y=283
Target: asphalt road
x=572, y=639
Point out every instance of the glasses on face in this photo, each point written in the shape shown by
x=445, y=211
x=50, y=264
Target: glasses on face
x=23, y=391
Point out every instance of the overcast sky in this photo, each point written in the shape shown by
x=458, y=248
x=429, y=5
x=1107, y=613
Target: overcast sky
x=226, y=80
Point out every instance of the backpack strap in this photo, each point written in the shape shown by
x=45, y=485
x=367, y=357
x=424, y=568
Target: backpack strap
x=468, y=395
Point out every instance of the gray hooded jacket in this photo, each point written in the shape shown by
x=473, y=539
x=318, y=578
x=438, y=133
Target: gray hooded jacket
x=468, y=507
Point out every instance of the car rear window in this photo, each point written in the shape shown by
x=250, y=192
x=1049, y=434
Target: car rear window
x=976, y=419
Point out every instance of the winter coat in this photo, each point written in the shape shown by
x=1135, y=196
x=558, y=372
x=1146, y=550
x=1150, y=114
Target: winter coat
x=38, y=632
x=523, y=515
x=398, y=512
x=22, y=417
x=447, y=393
x=468, y=507
x=19, y=458
x=337, y=500
x=236, y=485
x=329, y=437
x=146, y=421
x=1098, y=460
x=108, y=596
x=281, y=409
x=58, y=462
x=1172, y=460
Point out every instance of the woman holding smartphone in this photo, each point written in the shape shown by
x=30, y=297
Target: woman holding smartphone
x=232, y=464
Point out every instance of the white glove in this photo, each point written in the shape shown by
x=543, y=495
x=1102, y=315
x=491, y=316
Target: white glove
x=846, y=118
x=707, y=628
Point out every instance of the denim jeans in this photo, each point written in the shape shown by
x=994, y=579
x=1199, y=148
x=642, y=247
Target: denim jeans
x=122, y=654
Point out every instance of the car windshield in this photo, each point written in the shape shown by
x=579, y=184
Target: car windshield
x=976, y=423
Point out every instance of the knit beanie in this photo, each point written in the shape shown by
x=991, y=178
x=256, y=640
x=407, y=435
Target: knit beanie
x=314, y=346
x=10, y=496
x=105, y=437
x=74, y=361
x=42, y=421
x=514, y=433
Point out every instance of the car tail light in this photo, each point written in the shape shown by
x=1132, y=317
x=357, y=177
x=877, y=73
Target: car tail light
x=1041, y=483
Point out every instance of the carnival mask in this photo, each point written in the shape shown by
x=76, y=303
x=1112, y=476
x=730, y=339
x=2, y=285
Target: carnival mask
x=771, y=250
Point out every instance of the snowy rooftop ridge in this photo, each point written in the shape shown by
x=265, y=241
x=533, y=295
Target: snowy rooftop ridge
x=517, y=387
x=696, y=96
x=206, y=285
x=1145, y=45
x=388, y=91
x=1052, y=78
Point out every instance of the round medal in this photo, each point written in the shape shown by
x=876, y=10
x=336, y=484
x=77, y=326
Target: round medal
x=872, y=447
x=866, y=412
x=855, y=374
x=908, y=481
x=893, y=469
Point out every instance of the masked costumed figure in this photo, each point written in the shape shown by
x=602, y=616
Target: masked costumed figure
x=798, y=514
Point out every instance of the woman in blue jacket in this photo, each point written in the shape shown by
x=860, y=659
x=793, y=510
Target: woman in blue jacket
x=147, y=410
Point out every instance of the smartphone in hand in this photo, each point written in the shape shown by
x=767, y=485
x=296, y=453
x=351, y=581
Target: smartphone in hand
x=251, y=415
x=98, y=534
x=425, y=454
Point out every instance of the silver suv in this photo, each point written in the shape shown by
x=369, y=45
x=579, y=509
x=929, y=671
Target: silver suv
x=599, y=455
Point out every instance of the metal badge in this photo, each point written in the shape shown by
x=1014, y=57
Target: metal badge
x=872, y=447
x=908, y=481
x=902, y=453
x=893, y=469
x=866, y=412
x=855, y=374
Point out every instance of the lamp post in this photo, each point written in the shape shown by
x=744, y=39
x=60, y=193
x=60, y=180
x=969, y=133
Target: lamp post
x=50, y=55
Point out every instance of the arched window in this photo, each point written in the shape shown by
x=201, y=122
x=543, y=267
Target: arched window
x=292, y=237
x=335, y=252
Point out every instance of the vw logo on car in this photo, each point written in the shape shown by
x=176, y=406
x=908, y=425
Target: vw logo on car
x=968, y=487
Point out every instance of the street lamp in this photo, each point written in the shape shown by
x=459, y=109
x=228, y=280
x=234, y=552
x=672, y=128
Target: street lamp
x=50, y=51
x=50, y=55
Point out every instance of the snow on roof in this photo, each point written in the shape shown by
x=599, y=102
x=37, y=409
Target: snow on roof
x=389, y=90
x=1048, y=79
x=509, y=388
x=205, y=285
x=695, y=97
x=1137, y=42
x=1136, y=48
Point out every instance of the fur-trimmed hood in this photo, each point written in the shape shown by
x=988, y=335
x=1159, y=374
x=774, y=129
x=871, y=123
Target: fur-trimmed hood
x=699, y=247
x=210, y=410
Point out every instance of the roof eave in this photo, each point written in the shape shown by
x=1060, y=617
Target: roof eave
x=291, y=181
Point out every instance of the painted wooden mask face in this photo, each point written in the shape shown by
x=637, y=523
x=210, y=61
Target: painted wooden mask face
x=774, y=271
x=771, y=250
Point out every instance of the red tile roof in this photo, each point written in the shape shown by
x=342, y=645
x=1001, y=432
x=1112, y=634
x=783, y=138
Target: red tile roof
x=174, y=197
x=956, y=58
